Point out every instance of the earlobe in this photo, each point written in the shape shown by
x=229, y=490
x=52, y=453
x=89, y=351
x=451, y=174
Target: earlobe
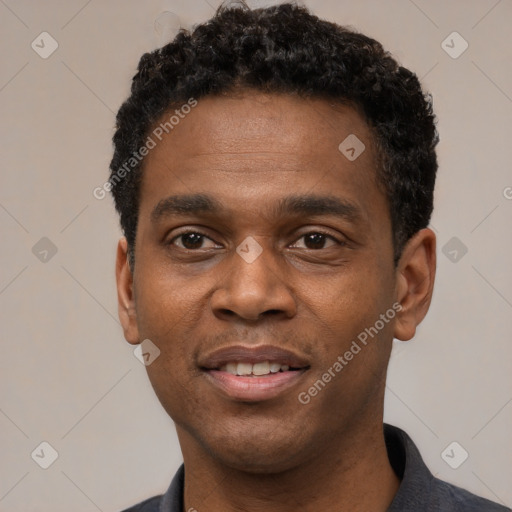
x=125, y=295
x=415, y=282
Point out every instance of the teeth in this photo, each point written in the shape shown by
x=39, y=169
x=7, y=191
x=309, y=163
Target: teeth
x=257, y=369
x=274, y=367
x=244, y=369
x=261, y=368
x=231, y=368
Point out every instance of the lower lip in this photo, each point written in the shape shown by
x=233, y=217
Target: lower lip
x=254, y=389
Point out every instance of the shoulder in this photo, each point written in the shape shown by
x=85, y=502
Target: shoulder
x=419, y=489
x=171, y=500
x=452, y=497
x=149, y=505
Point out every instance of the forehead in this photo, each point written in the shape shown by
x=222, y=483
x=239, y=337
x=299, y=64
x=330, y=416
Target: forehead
x=255, y=148
x=253, y=122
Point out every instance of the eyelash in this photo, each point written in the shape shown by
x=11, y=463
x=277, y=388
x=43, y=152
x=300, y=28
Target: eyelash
x=196, y=232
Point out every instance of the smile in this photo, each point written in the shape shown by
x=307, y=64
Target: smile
x=258, y=369
x=253, y=374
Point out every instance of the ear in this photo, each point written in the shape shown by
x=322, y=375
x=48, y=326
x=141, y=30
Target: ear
x=125, y=296
x=415, y=276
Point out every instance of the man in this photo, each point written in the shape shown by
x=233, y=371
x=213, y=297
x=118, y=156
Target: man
x=274, y=176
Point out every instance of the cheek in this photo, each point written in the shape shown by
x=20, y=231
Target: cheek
x=166, y=303
x=170, y=377
x=168, y=311
x=347, y=302
x=346, y=313
x=353, y=349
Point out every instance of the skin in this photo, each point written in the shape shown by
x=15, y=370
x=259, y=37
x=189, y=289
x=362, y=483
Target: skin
x=314, y=298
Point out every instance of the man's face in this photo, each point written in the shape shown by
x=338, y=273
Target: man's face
x=308, y=280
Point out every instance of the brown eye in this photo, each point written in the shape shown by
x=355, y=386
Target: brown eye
x=191, y=240
x=316, y=240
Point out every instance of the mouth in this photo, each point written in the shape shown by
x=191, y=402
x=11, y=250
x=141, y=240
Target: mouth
x=253, y=374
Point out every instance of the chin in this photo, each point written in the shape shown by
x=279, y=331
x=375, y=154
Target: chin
x=256, y=450
x=256, y=463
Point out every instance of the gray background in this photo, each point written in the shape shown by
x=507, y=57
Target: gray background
x=67, y=375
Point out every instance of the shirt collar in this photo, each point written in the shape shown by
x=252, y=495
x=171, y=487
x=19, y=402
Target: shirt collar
x=408, y=464
x=172, y=500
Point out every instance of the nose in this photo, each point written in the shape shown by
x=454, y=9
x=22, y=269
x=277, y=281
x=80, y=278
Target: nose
x=253, y=289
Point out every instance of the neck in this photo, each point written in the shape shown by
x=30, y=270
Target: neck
x=350, y=473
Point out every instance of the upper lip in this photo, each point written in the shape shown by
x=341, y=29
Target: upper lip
x=253, y=354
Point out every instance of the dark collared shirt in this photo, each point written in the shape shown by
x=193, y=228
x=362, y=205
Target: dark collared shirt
x=419, y=490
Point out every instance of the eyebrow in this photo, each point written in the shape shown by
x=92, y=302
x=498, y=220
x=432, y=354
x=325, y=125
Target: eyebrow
x=308, y=205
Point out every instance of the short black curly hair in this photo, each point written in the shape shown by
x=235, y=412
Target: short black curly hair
x=286, y=49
